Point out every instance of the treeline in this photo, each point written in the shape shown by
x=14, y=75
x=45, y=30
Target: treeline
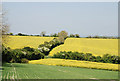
x=103, y=37
x=43, y=34
x=107, y=58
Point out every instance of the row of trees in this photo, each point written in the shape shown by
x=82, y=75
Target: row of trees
x=48, y=46
x=107, y=58
x=43, y=34
x=104, y=37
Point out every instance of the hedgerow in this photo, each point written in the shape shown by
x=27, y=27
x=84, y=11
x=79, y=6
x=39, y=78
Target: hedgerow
x=106, y=58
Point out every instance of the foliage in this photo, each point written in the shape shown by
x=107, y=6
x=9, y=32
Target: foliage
x=88, y=57
x=28, y=49
x=77, y=35
x=72, y=35
x=42, y=33
x=48, y=46
x=54, y=35
x=10, y=33
x=17, y=55
x=24, y=60
x=6, y=54
x=103, y=37
x=62, y=36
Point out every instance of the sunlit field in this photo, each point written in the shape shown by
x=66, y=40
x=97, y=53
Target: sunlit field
x=97, y=47
x=16, y=42
x=76, y=63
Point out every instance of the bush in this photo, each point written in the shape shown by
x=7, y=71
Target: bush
x=17, y=55
x=48, y=46
x=24, y=60
x=28, y=49
x=107, y=58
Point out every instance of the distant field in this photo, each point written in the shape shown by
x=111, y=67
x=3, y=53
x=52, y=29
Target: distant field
x=15, y=42
x=37, y=71
x=97, y=47
x=75, y=63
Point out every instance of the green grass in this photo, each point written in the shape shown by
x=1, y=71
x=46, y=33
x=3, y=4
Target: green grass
x=37, y=71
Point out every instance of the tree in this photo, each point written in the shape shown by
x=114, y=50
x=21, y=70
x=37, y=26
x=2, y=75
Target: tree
x=20, y=34
x=71, y=35
x=55, y=35
x=10, y=33
x=89, y=37
x=42, y=33
x=62, y=36
x=77, y=35
x=4, y=26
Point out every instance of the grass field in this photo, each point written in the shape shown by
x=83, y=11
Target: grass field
x=37, y=71
x=75, y=63
x=15, y=42
x=97, y=47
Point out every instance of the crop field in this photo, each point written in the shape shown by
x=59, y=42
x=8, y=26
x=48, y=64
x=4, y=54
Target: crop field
x=37, y=71
x=76, y=63
x=16, y=42
x=97, y=47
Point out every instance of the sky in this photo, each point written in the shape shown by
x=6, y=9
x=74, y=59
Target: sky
x=84, y=18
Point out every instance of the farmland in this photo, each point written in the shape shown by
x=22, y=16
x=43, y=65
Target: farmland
x=52, y=68
x=16, y=42
x=76, y=63
x=97, y=47
x=37, y=71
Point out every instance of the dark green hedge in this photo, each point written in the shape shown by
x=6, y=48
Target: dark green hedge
x=107, y=58
x=17, y=55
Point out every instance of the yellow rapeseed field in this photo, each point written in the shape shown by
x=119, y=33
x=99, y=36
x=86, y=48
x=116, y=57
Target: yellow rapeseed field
x=76, y=63
x=97, y=47
x=15, y=42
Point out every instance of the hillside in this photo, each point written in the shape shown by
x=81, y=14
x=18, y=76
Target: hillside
x=15, y=42
x=97, y=47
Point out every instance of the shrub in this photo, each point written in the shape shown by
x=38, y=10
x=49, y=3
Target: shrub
x=28, y=49
x=24, y=60
x=17, y=55
x=107, y=58
x=48, y=46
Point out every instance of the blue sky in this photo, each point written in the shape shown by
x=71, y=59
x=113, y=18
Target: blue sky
x=84, y=18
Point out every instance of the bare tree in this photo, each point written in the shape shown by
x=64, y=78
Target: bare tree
x=4, y=26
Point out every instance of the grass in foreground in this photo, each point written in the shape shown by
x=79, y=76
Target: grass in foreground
x=37, y=71
x=75, y=63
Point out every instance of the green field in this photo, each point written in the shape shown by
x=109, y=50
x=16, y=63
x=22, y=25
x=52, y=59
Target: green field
x=36, y=71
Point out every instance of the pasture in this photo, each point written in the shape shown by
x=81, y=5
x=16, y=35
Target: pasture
x=37, y=71
x=97, y=47
x=17, y=42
